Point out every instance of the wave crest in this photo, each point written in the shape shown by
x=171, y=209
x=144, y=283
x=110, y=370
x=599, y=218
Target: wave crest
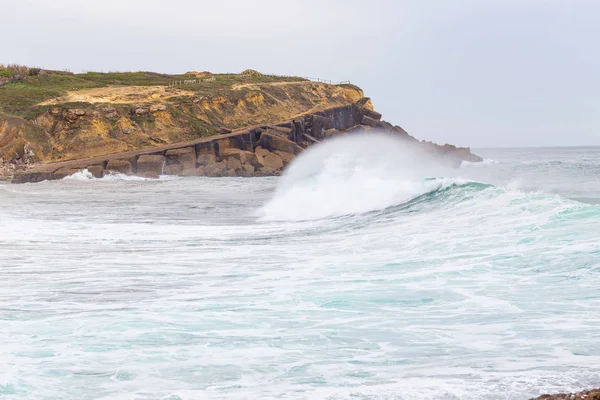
x=353, y=175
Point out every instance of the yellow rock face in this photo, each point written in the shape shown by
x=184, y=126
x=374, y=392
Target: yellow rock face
x=126, y=118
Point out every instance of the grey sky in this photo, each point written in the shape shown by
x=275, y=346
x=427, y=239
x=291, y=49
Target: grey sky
x=475, y=73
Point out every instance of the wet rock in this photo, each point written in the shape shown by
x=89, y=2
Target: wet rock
x=119, y=166
x=266, y=171
x=33, y=177
x=150, y=166
x=215, y=170
x=249, y=169
x=192, y=172
x=173, y=169
x=593, y=394
x=206, y=159
x=245, y=157
x=64, y=172
x=97, y=171
x=185, y=158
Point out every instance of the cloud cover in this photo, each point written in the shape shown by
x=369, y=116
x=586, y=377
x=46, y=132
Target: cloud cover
x=479, y=73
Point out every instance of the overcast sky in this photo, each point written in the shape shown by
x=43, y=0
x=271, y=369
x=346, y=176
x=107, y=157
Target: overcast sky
x=480, y=73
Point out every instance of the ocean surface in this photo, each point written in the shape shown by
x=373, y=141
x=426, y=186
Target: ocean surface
x=356, y=276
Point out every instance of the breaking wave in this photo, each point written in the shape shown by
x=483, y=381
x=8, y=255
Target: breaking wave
x=85, y=175
x=353, y=175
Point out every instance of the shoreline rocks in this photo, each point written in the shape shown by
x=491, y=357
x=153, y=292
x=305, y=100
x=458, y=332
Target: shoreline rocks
x=593, y=394
x=255, y=151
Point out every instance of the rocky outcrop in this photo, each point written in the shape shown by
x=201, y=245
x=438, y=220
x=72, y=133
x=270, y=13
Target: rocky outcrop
x=97, y=121
x=262, y=150
x=585, y=395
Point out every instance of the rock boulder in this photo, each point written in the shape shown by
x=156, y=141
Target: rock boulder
x=150, y=166
x=119, y=166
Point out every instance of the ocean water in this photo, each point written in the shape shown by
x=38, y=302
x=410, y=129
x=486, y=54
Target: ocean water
x=364, y=276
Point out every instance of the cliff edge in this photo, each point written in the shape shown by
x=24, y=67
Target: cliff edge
x=54, y=120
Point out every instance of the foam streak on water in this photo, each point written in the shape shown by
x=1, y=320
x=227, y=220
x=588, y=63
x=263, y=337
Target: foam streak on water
x=454, y=287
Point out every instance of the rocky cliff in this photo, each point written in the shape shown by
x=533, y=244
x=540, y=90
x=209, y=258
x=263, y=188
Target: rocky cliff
x=192, y=124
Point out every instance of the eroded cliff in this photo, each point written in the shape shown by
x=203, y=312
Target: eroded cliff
x=97, y=118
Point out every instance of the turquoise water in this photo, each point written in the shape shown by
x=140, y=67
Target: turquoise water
x=353, y=282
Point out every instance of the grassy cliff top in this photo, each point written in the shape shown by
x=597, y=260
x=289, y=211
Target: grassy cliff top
x=28, y=92
x=57, y=115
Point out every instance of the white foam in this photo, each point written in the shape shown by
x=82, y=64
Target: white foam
x=351, y=175
x=85, y=175
x=486, y=161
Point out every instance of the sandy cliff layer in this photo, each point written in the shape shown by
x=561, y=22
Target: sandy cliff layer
x=261, y=150
x=121, y=119
x=98, y=119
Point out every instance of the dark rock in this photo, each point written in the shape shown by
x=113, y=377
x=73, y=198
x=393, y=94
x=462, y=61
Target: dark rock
x=319, y=125
x=266, y=171
x=215, y=170
x=64, y=172
x=245, y=157
x=174, y=169
x=185, y=157
x=120, y=166
x=279, y=129
x=368, y=121
x=206, y=159
x=385, y=125
x=205, y=148
x=310, y=138
x=266, y=159
x=32, y=177
x=97, y=171
x=249, y=169
x=342, y=117
x=273, y=142
x=371, y=114
x=233, y=163
x=150, y=166
x=299, y=129
x=285, y=156
x=593, y=394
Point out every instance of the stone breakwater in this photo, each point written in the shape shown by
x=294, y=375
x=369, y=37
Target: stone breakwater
x=254, y=151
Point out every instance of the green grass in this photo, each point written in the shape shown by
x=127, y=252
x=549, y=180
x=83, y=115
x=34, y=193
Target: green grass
x=21, y=98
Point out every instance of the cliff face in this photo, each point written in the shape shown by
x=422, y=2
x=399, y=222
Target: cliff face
x=184, y=123
x=121, y=119
x=261, y=150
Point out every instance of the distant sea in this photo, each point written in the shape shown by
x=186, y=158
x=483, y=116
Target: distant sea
x=339, y=280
